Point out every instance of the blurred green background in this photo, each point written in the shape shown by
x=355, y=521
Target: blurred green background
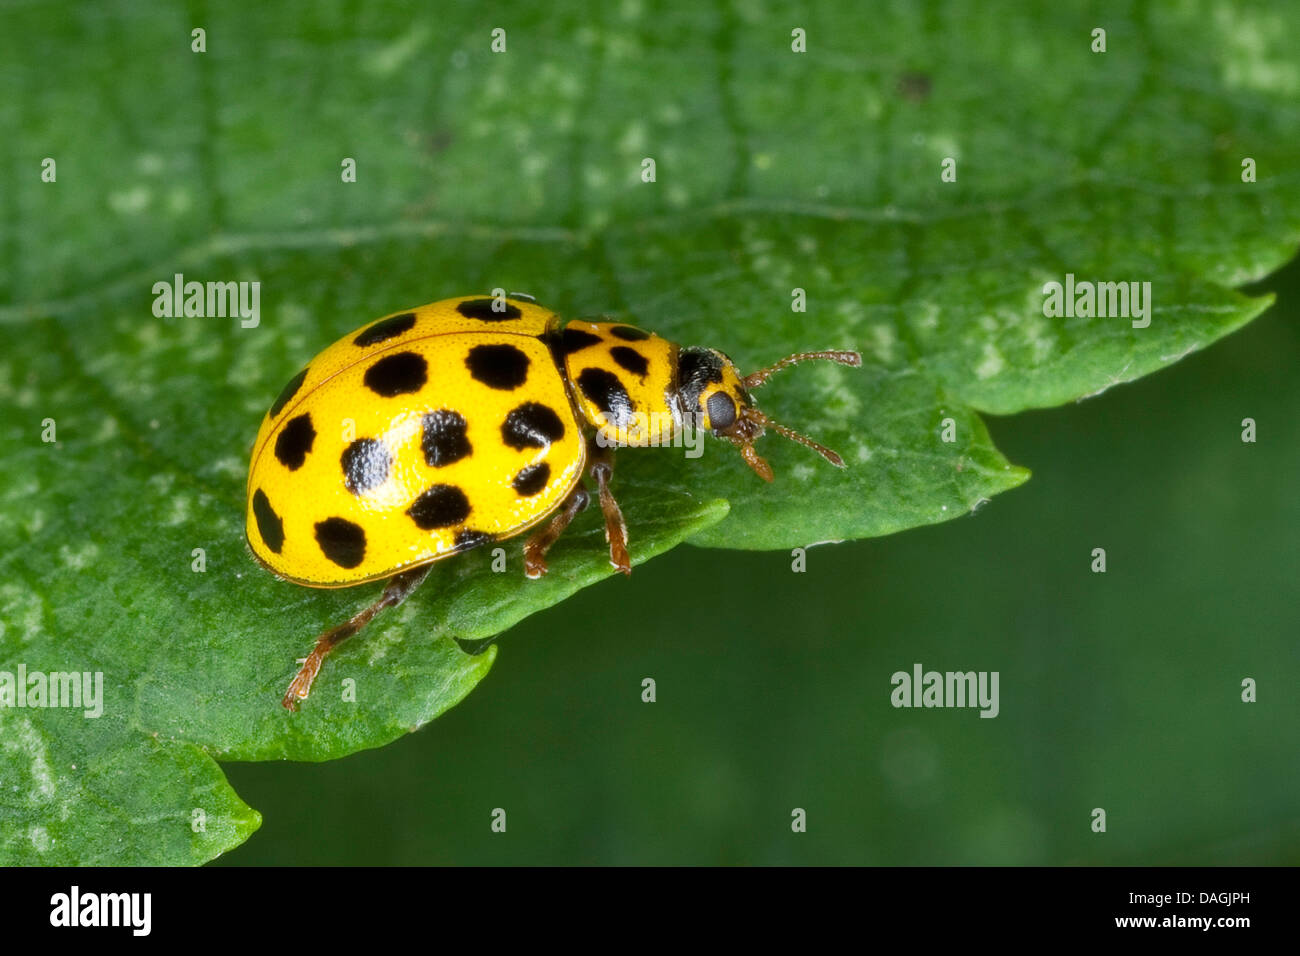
x=1118, y=690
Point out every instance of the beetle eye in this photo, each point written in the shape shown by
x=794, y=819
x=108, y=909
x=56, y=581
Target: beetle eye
x=722, y=410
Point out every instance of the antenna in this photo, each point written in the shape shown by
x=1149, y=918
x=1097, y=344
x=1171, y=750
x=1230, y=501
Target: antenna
x=794, y=436
x=842, y=356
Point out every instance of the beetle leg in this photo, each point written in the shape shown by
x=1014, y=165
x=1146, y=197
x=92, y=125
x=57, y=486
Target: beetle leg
x=602, y=469
x=537, y=546
x=397, y=590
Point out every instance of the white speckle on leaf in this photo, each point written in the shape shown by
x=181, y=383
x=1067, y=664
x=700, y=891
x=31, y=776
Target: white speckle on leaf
x=494, y=89
x=388, y=59
x=293, y=317
x=670, y=114
x=622, y=46
x=944, y=145
x=229, y=466
x=883, y=340
x=633, y=139
x=151, y=164
x=245, y=374
x=991, y=362
x=535, y=164
x=1038, y=333
x=107, y=430
x=40, y=838
x=179, y=201
x=129, y=202
x=22, y=737
x=146, y=333
x=20, y=607
x=926, y=316
x=1252, y=54
x=179, y=512
x=568, y=85
x=849, y=312
x=80, y=557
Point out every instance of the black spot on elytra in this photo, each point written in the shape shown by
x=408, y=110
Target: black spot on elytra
x=467, y=539
x=269, y=525
x=629, y=334
x=295, y=441
x=630, y=359
x=607, y=393
x=398, y=374
x=482, y=310
x=531, y=425
x=341, y=541
x=574, y=340
x=532, y=479
x=443, y=438
x=722, y=410
x=386, y=329
x=366, y=464
x=441, y=506
x=502, y=367
x=288, y=392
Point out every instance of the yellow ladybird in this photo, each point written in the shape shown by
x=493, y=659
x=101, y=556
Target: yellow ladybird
x=468, y=421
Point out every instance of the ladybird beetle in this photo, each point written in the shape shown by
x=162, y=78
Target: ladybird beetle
x=468, y=421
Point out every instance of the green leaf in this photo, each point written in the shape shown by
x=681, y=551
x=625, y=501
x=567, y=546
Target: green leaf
x=774, y=171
